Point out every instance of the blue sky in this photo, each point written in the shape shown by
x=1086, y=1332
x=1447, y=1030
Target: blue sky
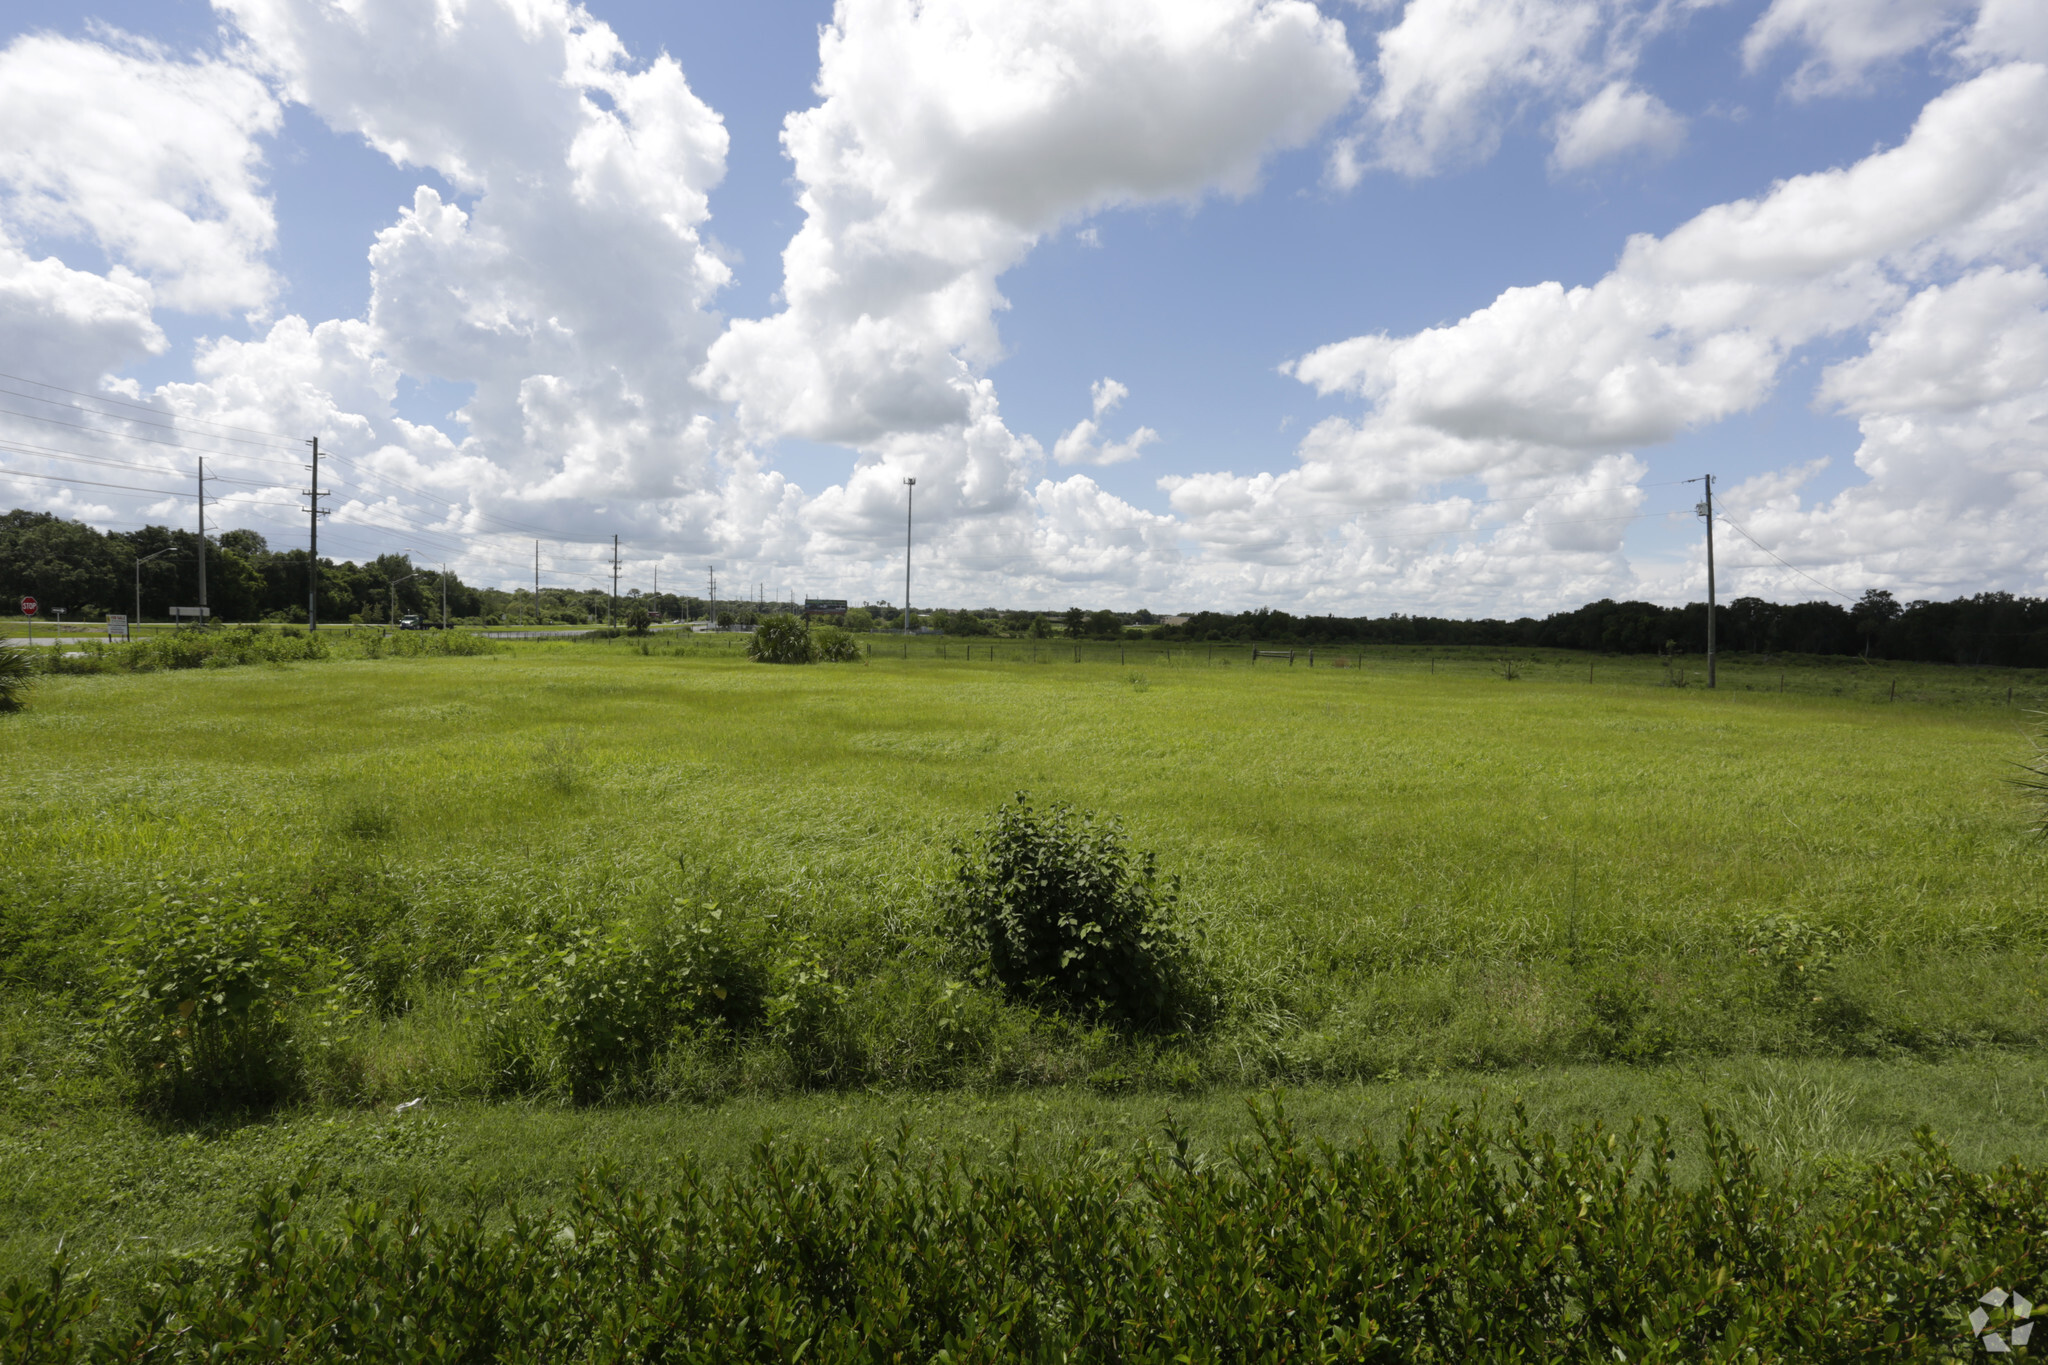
x=1201, y=197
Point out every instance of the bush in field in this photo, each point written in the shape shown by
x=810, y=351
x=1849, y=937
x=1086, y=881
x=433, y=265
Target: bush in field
x=637, y=621
x=201, y=1007
x=781, y=639
x=589, y=1011
x=17, y=675
x=224, y=648
x=831, y=645
x=807, y=1019
x=1070, y=918
x=1463, y=1241
x=2033, y=781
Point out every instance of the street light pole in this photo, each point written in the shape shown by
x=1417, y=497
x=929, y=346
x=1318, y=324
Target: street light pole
x=138, y=579
x=909, y=506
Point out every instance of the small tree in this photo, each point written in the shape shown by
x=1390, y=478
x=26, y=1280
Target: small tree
x=781, y=639
x=637, y=621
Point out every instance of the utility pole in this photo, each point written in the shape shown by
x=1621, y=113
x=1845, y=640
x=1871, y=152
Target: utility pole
x=536, y=582
x=1706, y=510
x=444, y=595
x=611, y=610
x=313, y=515
x=202, y=541
x=909, y=507
x=712, y=597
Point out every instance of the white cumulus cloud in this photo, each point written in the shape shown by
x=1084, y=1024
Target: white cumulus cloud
x=1845, y=41
x=1618, y=120
x=153, y=159
x=1453, y=74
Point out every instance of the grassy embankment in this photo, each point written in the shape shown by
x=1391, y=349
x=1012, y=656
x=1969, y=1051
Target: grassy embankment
x=1414, y=880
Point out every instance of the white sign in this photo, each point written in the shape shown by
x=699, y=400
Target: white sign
x=117, y=627
x=189, y=611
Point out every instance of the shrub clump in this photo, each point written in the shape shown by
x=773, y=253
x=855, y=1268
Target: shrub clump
x=17, y=675
x=210, y=1007
x=589, y=1011
x=1068, y=917
x=1464, y=1240
x=787, y=639
x=781, y=639
x=835, y=646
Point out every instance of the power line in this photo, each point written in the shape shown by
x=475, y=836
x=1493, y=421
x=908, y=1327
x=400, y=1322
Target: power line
x=122, y=417
x=130, y=403
x=1773, y=554
x=152, y=440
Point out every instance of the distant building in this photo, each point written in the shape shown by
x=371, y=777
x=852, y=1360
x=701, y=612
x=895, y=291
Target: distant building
x=831, y=608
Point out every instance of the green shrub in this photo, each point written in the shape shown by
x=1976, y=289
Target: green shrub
x=781, y=639
x=2032, y=782
x=1462, y=1241
x=1797, y=958
x=17, y=675
x=202, y=998
x=831, y=645
x=807, y=1019
x=227, y=647
x=591, y=1010
x=637, y=621
x=1068, y=918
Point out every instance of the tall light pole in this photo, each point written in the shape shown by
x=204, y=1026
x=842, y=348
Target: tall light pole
x=909, y=506
x=1706, y=510
x=138, y=579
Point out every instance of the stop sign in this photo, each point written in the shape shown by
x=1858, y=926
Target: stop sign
x=28, y=606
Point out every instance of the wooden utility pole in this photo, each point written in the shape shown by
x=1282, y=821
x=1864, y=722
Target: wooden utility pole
x=611, y=610
x=536, y=582
x=313, y=515
x=202, y=540
x=909, y=507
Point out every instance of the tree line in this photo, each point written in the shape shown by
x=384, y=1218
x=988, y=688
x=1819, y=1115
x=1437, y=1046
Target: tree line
x=1989, y=628
x=89, y=573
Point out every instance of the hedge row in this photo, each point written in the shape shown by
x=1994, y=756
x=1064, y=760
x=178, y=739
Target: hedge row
x=1465, y=1240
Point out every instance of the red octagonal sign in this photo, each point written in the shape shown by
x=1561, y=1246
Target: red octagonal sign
x=28, y=606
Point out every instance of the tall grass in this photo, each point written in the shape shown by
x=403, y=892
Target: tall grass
x=1392, y=874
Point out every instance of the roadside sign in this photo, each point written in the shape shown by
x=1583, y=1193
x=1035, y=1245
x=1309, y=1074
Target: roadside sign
x=188, y=611
x=117, y=627
x=28, y=606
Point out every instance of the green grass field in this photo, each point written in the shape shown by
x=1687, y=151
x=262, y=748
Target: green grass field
x=1410, y=879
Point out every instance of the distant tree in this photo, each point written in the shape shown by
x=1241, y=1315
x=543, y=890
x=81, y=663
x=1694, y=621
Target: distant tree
x=1076, y=623
x=636, y=620
x=1875, y=610
x=248, y=544
x=860, y=619
x=1040, y=628
x=1105, y=625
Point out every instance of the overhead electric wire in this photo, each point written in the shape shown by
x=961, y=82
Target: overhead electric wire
x=122, y=417
x=145, y=468
x=1773, y=554
x=151, y=440
x=131, y=403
